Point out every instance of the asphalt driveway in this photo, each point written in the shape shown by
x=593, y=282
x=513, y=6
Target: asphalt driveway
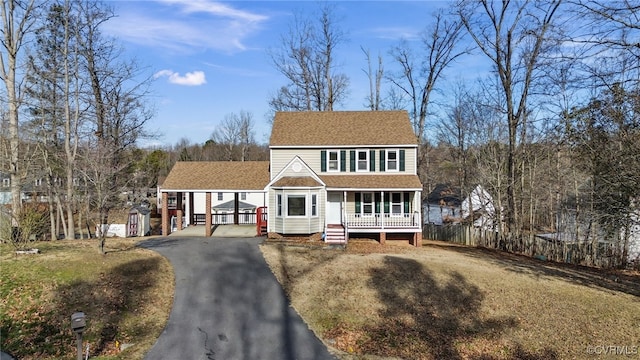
x=228, y=305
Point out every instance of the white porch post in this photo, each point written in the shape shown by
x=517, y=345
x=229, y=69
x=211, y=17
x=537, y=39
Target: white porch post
x=382, y=218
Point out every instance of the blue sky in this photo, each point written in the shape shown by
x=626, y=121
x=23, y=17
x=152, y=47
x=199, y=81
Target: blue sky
x=209, y=58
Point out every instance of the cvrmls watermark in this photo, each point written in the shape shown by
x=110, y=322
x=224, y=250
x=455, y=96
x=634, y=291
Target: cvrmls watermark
x=627, y=350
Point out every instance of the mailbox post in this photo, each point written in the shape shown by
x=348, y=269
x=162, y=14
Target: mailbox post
x=78, y=323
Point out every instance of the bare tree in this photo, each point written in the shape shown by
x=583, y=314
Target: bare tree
x=512, y=35
x=235, y=135
x=18, y=18
x=420, y=72
x=375, y=79
x=306, y=59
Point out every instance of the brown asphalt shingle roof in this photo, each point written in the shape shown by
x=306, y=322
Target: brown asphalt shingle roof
x=218, y=175
x=320, y=128
x=372, y=181
x=305, y=181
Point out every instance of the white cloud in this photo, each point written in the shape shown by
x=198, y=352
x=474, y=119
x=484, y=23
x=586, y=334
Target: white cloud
x=194, y=78
x=196, y=26
x=214, y=8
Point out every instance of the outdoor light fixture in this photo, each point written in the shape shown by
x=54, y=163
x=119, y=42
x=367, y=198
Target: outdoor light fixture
x=78, y=323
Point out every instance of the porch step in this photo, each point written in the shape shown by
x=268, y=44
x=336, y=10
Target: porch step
x=335, y=234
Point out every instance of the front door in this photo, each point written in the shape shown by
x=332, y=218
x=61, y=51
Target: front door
x=334, y=208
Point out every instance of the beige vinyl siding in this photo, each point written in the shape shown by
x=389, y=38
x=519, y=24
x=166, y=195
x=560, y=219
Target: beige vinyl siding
x=297, y=225
x=281, y=157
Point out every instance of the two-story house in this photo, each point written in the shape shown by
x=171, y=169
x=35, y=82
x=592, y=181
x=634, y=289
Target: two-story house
x=344, y=173
x=339, y=173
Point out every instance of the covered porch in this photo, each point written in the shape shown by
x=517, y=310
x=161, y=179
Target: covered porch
x=381, y=212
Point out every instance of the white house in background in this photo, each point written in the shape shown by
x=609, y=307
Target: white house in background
x=480, y=204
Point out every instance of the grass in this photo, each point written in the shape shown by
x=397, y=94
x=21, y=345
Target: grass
x=453, y=302
x=125, y=294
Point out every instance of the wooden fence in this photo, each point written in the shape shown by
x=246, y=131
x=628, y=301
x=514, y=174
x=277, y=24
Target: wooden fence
x=598, y=254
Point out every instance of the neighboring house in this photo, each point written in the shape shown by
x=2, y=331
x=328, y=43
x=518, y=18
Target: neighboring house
x=443, y=206
x=339, y=173
x=479, y=203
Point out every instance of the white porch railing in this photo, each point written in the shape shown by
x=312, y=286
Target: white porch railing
x=384, y=221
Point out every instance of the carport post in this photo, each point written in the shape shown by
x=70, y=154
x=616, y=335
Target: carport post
x=236, y=210
x=179, y=211
x=165, y=214
x=207, y=217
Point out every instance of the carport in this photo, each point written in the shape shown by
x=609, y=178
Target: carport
x=194, y=182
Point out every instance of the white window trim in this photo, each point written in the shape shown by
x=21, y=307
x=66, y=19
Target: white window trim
x=6, y=182
x=386, y=160
x=306, y=204
x=373, y=204
x=366, y=152
x=329, y=152
x=401, y=203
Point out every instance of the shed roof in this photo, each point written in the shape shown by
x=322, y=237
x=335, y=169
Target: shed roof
x=322, y=128
x=230, y=205
x=218, y=175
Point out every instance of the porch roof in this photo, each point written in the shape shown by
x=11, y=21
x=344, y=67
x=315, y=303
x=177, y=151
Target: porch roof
x=378, y=182
x=217, y=175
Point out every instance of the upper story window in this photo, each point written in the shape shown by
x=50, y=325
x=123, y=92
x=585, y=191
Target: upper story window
x=37, y=182
x=220, y=196
x=6, y=182
x=243, y=196
x=362, y=160
x=333, y=161
x=392, y=160
x=76, y=182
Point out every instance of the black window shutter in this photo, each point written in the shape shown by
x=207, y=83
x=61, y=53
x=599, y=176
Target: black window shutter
x=358, y=203
x=372, y=160
x=386, y=203
x=382, y=160
x=352, y=161
x=401, y=160
x=323, y=160
x=378, y=201
x=343, y=160
x=406, y=203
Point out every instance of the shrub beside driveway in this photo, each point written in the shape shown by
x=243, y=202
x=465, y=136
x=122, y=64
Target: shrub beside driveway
x=443, y=301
